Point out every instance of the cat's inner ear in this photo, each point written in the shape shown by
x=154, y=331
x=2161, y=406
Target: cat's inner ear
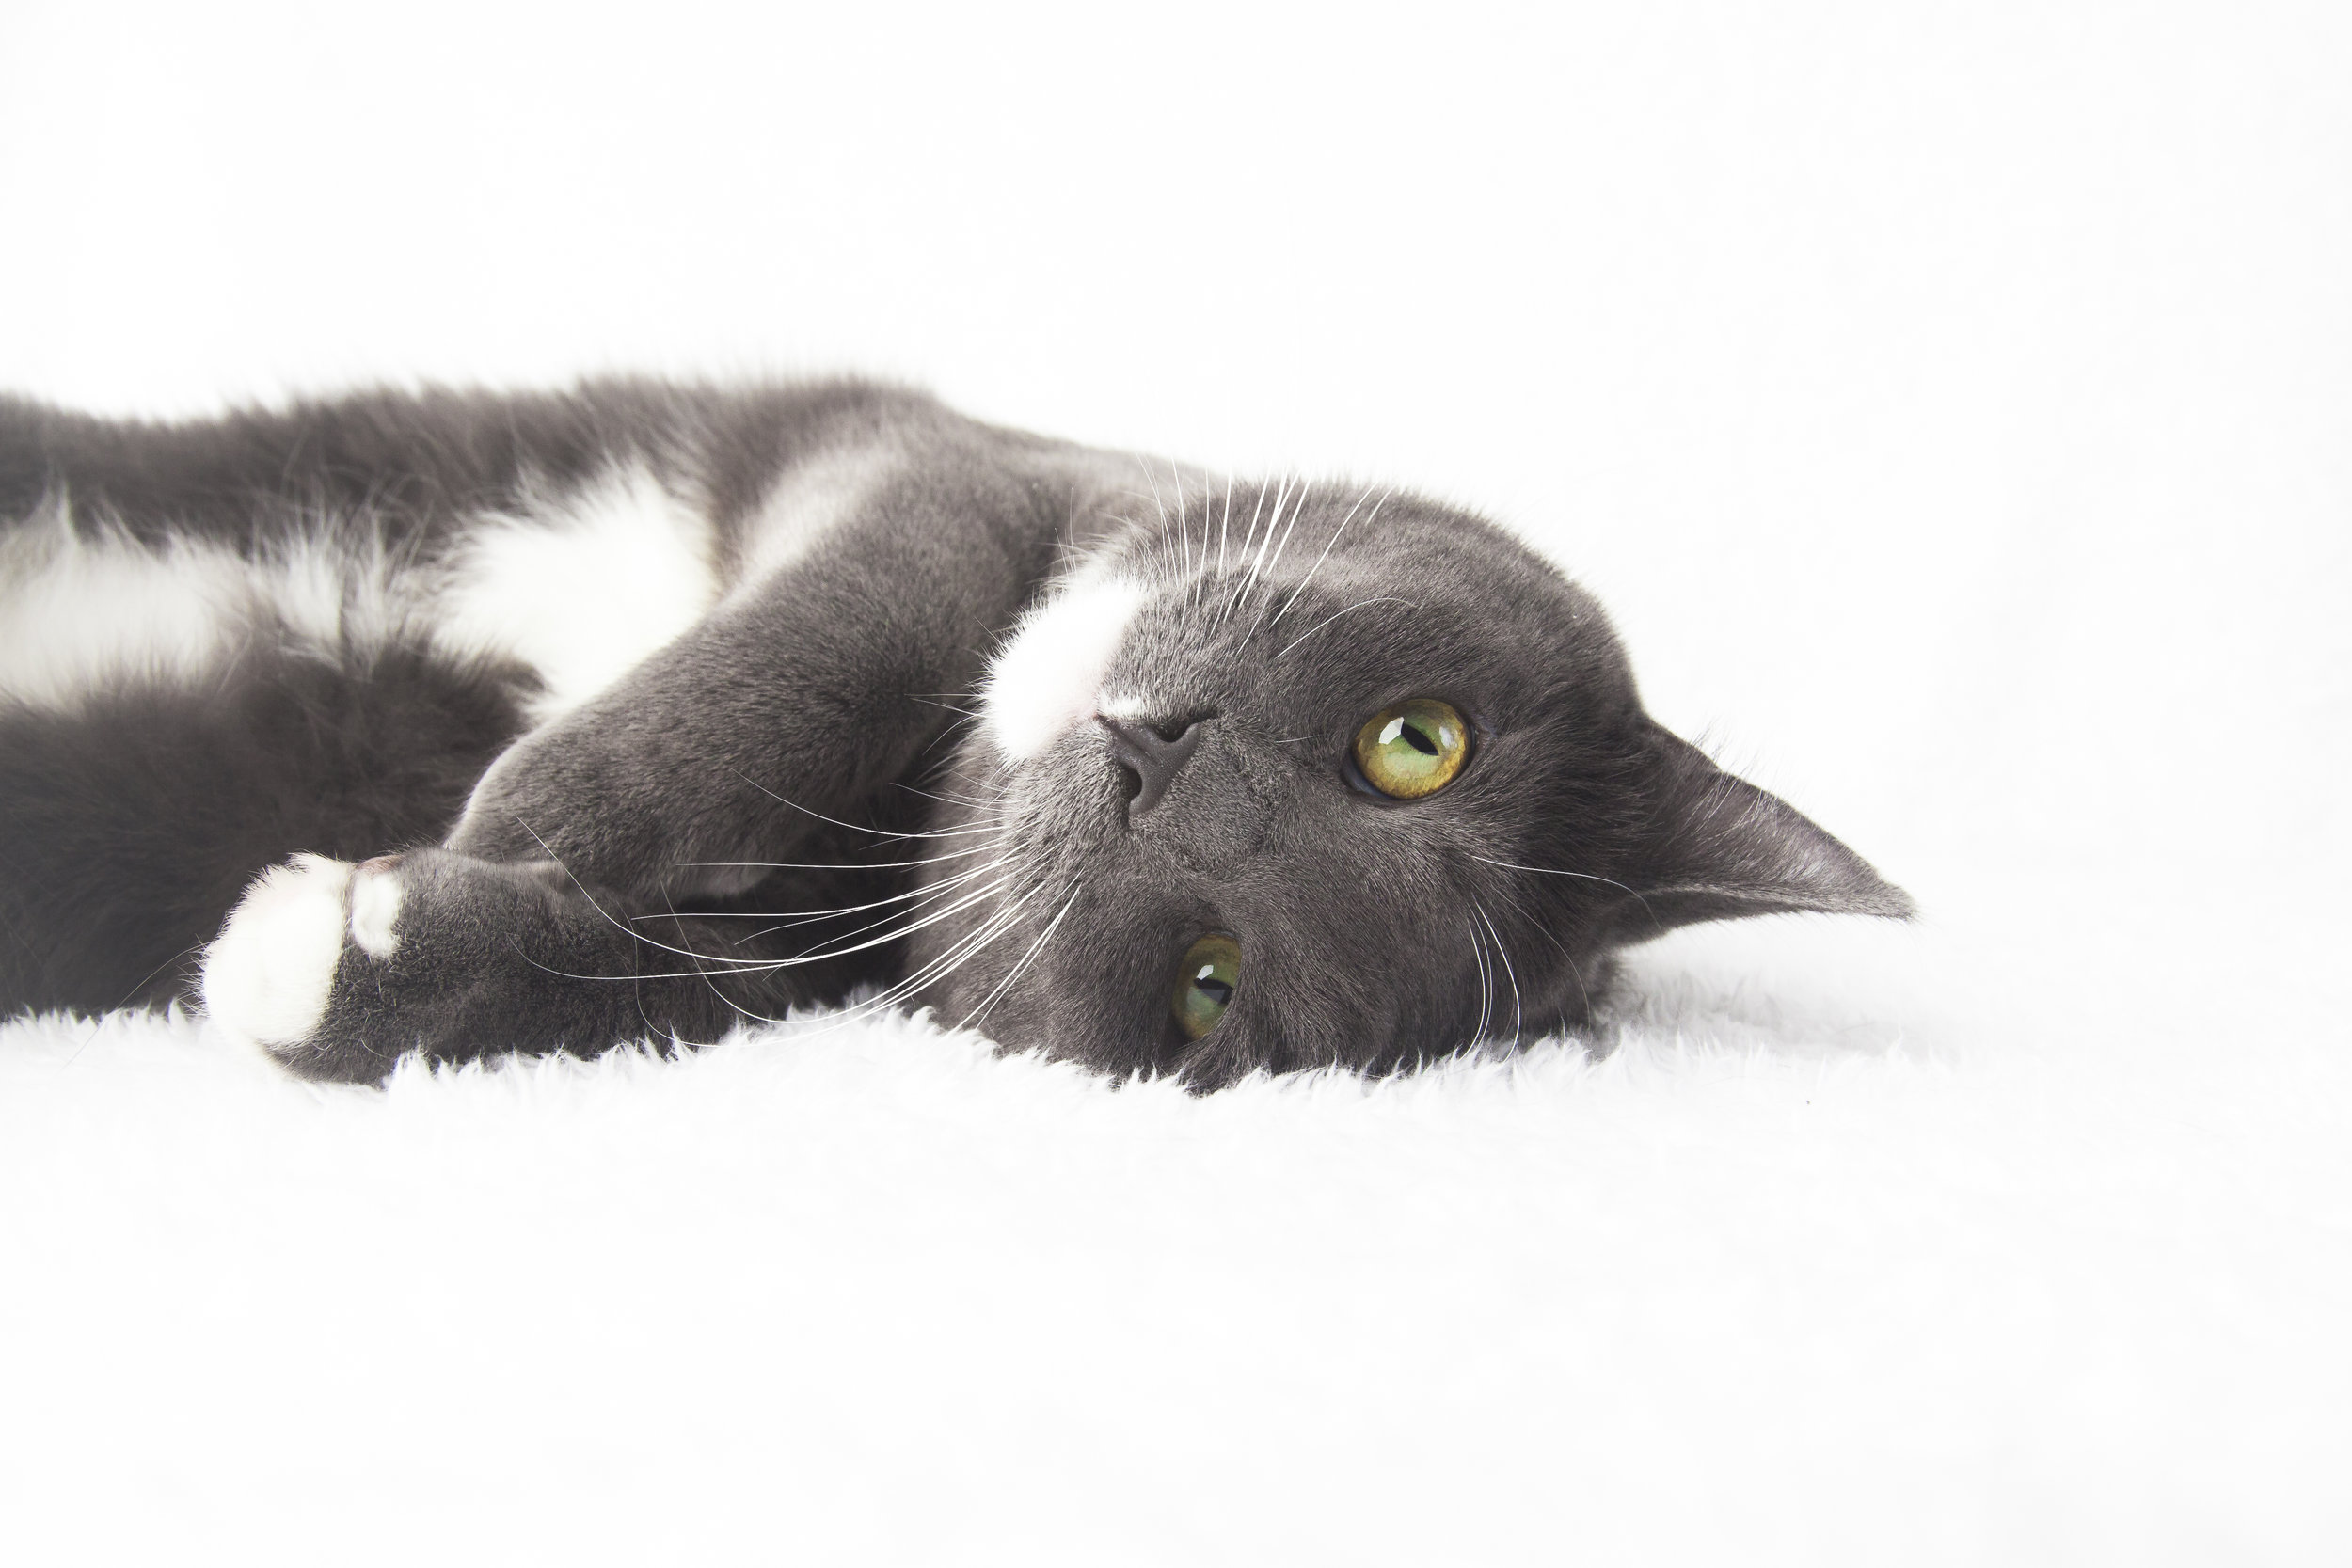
x=1719, y=849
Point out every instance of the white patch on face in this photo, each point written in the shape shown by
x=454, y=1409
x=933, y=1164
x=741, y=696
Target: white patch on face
x=582, y=589
x=1048, y=678
x=268, y=974
x=82, y=609
x=1124, y=705
x=375, y=895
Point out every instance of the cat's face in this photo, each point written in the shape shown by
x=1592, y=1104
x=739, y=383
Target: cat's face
x=1315, y=776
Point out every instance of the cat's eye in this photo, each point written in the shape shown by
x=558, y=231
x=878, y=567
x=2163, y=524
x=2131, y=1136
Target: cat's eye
x=1413, y=748
x=1204, y=986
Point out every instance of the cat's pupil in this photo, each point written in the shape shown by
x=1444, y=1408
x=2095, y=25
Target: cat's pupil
x=1215, y=990
x=1412, y=734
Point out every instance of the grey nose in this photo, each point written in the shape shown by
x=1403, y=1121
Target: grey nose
x=1152, y=757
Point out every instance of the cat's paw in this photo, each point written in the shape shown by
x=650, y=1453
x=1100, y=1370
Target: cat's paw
x=338, y=972
x=269, y=977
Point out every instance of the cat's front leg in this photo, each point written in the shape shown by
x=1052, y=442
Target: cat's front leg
x=786, y=709
x=336, y=971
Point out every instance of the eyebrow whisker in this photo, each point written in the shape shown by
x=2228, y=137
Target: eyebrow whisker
x=1385, y=598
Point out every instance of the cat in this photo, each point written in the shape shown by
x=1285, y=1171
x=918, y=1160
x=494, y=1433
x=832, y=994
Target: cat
x=462, y=724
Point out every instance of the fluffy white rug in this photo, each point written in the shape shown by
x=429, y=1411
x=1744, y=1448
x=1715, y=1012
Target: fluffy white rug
x=1808, y=1264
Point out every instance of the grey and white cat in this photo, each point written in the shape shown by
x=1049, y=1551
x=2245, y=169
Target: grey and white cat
x=464, y=725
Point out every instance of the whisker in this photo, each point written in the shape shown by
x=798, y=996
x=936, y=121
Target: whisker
x=953, y=799
x=1576, y=970
x=1177, y=476
x=1326, y=548
x=610, y=919
x=1580, y=876
x=1234, y=601
x=841, y=865
x=1298, y=512
x=878, y=832
x=945, y=731
x=799, y=917
x=1225, y=525
x=821, y=953
x=1035, y=948
x=1282, y=497
x=1157, y=505
x=1485, y=987
x=1385, y=598
x=1508, y=968
x=940, y=967
x=914, y=900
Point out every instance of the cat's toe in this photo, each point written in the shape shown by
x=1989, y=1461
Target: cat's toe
x=376, y=889
x=270, y=975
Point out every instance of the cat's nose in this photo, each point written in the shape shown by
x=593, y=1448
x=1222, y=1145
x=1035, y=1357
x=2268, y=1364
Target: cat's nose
x=1152, y=757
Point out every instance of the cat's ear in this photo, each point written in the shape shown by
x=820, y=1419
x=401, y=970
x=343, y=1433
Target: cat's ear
x=1718, y=848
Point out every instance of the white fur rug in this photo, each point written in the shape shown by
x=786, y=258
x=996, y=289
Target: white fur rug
x=1807, y=1267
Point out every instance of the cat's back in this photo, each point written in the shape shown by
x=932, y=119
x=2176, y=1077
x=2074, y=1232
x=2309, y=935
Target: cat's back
x=564, y=532
x=421, y=460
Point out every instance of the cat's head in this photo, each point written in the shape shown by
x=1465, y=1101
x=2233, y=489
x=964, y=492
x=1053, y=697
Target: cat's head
x=1310, y=775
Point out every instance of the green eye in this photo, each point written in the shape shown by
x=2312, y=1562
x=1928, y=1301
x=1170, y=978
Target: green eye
x=1413, y=748
x=1204, y=987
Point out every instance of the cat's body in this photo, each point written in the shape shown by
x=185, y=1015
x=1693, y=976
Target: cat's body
x=633, y=712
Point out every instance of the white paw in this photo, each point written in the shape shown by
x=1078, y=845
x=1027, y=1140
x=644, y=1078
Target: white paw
x=268, y=975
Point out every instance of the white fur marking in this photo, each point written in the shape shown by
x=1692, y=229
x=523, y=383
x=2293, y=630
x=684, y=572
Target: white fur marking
x=84, y=608
x=812, y=497
x=1047, y=677
x=376, y=911
x=77, y=612
x=1123, y=704
x=584, y=589
x=268, y=974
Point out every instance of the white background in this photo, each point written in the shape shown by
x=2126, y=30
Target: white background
x=1951, y=403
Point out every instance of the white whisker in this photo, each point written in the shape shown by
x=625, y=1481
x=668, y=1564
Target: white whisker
x=855, y=828
x=1555, y=871
x=841, y=865
x=821, y=953
x=1509, y=969
x=1257, y=567
x=801, y=917
x=1225, y=525
x=1035, y=948
x=940, y=967
x=1326, y=548
x=1298, y=512
x=1385, y=598
x=1485, y=985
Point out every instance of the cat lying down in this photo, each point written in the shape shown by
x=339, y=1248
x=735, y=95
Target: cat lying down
x=466, y=724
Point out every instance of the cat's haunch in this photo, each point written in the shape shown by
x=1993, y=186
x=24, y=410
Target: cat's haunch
x=467, y=724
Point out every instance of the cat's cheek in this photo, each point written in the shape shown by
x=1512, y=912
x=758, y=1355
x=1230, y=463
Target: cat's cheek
x=1049, y=675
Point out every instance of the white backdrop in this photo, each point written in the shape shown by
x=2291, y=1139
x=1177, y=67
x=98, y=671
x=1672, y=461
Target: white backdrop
x=1951, y=403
